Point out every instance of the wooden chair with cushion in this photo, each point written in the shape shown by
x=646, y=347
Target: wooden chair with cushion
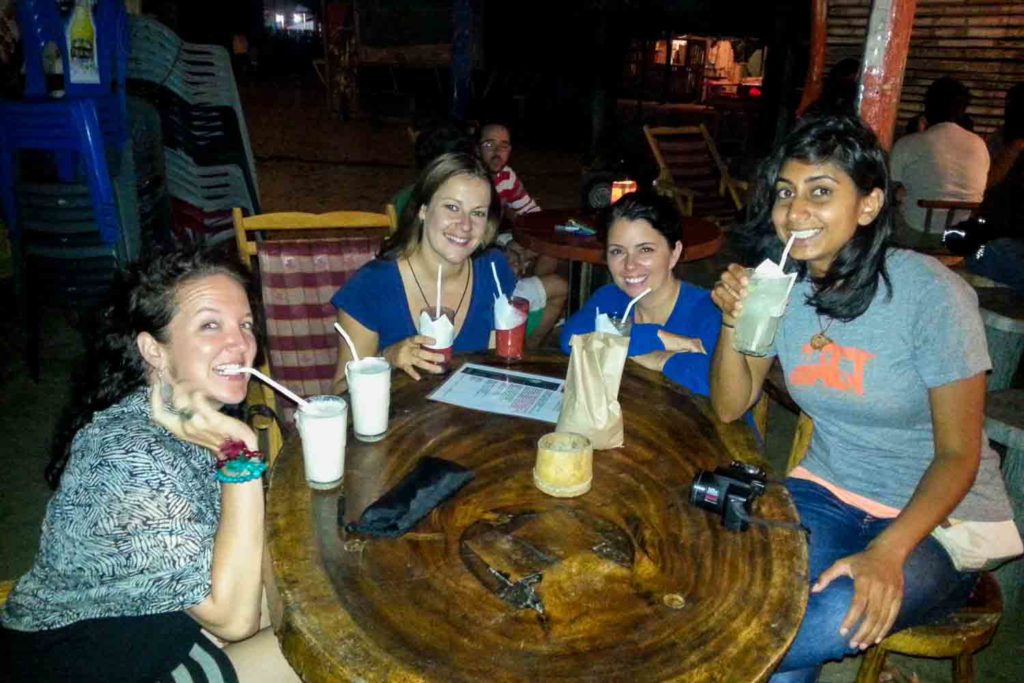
x=693, y=173
x=957, y=636
x=955, y=211
x=300, y=261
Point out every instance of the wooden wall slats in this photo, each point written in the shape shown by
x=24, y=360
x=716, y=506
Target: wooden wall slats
x=981, y=42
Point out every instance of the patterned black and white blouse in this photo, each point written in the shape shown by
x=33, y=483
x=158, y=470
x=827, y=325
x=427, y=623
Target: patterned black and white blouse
x=130, y=530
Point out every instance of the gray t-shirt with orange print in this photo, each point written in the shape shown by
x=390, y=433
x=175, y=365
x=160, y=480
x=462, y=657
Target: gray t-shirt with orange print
x=867, y=393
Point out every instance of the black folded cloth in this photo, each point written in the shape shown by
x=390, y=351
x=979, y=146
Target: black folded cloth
x=429, y=484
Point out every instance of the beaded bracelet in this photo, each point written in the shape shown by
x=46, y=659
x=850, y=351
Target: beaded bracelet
x=237, y=463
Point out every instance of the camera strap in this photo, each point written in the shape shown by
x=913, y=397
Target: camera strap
x=773, y=523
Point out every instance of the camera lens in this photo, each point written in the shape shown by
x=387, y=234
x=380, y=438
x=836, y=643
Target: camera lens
x=706, y=492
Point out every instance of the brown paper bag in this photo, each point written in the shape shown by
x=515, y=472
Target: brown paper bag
x=590, y=405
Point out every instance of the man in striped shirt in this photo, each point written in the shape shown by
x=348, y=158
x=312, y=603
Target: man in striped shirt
x=546, y=290
x=495, y=148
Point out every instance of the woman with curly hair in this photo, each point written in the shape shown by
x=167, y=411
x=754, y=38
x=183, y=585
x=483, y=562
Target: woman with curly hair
x=155, y=530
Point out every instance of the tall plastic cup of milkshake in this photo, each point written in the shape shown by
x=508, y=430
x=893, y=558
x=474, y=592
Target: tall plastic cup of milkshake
x=767, y=296
x=442, y=329
x=369, y=387
x=323, y=426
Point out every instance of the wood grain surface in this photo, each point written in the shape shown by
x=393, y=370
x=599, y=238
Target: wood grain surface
x=504, y=583
x=536, y=231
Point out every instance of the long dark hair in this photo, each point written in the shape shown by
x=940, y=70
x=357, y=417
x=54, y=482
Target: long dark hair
x=846, y=290
x=144, y=299
x=410, y=227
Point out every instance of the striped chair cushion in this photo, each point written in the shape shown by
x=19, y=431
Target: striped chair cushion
x=297, y=280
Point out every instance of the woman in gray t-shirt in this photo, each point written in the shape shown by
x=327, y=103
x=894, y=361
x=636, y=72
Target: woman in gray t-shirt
x=884, y=349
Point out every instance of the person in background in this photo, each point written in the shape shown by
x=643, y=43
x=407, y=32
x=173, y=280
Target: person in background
x=839, y=91
x=1002, y=259
x=945, y=161
x=450, y=222
x=676, y=325
x=546, y=290
x=429, y=143
x=495, y=149
x=896, y=393
x=155, y=530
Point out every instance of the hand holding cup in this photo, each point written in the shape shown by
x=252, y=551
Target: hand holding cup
x=730, y=290
x=410, y=354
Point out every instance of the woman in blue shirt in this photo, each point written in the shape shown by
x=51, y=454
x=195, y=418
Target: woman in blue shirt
x=451, y=218
x=676, y=325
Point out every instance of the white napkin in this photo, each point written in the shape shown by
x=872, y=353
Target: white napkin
x=771, y=269
x=442, y=330
x=507, y=316
x=603, y=323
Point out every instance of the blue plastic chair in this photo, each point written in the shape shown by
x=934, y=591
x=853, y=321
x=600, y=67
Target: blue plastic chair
x=57, y=126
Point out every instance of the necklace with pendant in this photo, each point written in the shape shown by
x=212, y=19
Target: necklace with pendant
x=819, y=339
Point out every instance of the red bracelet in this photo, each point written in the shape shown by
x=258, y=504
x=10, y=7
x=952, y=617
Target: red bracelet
x=237, y=463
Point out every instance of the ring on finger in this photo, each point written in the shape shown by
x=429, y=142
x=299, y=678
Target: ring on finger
x=185, y=414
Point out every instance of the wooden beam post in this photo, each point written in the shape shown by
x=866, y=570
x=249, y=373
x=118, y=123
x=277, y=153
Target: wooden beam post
x=885, y=57
x=816, y=62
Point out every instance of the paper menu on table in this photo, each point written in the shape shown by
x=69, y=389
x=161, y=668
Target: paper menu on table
x=506, y=392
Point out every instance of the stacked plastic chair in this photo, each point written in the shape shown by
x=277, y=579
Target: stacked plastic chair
x=210, y=165
x=67, y=184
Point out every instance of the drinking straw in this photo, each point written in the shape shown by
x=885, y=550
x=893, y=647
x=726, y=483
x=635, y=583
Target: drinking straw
x=496, y=280
x=348, y=340
x=785, y=252
x=437, y=312
x=629, y=307
x=238, y=369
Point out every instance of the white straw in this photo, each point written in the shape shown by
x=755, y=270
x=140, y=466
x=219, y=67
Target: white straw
x=348, y=340
x=287, y=392
x=785, y=252
x=494, y=269
x=629, y=308
x=437, y=311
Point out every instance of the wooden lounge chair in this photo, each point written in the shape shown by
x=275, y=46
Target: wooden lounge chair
x=694, y=175
x=300, y=261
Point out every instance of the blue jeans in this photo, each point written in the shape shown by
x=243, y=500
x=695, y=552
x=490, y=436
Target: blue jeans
x=932, y=586
x=1002, y=261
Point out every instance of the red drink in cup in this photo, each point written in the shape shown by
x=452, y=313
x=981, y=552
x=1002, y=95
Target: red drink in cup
x=446, y=349
x=509, y=343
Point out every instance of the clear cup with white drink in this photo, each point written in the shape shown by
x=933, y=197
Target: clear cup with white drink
x=369, y=387
x=323, y=426
x=768, y=291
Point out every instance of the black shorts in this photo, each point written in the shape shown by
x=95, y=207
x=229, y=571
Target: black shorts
x=115, y=650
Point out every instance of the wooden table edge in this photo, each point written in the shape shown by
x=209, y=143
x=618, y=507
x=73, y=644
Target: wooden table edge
x=296, y=631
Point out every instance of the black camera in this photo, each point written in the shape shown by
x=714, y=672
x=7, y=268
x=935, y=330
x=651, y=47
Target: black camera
x=729, y=491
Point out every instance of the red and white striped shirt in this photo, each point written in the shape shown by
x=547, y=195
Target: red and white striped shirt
x=512, y=193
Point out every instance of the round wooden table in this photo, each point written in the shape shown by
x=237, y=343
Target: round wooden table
x=536, y=231
x=635, y=584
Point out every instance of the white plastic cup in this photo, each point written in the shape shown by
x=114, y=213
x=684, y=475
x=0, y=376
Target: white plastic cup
x=323, y=426
x=762, y=309
x=369, y=387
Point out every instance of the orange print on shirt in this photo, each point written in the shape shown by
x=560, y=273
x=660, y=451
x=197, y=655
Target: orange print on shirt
x=837, y=367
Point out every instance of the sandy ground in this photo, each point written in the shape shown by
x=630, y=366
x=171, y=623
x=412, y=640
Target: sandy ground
x=309, y=160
